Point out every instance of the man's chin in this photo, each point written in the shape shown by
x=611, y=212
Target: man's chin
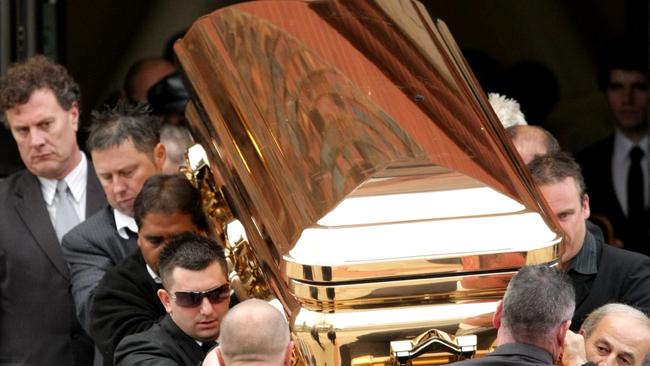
x=46, y=170
x=628, y=124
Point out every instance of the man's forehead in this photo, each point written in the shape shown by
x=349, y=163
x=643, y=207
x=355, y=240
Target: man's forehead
x=623, y=75
x=184, y=277
x=161, y=219
x=624, y=329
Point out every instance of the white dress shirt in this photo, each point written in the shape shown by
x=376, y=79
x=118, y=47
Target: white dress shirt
x=123, y=222
x=621, y=165
x=76, y=181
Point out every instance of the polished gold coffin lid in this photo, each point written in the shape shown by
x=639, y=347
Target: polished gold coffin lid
x=370, y=183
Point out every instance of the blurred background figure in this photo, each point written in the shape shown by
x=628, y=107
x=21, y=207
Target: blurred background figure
x=616, y=168
x=143, y=74
x=168, y=98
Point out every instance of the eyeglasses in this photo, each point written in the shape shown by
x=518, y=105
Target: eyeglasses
x=190, y=299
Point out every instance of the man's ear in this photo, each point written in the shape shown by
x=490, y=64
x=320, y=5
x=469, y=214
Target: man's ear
x=561, y=332
x=287, y=354
x=165, y=299
x=586, y=211
x=220, y=357
x=496, y=319
x=74, y=112
x=159, y=155
x=582, y=333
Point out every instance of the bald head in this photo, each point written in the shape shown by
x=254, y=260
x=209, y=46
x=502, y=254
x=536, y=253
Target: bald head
x=531, y=141
x=143, y=75
x=254, y=333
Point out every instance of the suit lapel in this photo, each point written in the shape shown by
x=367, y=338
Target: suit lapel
x=611, y=194
x=188, y=346
x=95, y=198
x=31, y=208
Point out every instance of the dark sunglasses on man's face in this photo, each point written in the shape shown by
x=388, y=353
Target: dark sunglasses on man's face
x=190, y=299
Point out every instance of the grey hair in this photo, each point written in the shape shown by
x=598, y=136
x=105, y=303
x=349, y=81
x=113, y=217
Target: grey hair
x=595, y=317
x=254, y=331
x=111, y=127
x=538, y=299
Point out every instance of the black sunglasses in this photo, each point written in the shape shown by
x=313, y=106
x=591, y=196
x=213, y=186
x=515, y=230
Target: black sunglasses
x=190, y=299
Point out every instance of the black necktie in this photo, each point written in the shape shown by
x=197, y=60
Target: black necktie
x=635, y=199
x=207, y=346
x=131, y=234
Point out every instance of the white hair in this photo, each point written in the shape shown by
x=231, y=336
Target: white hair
x=507, y=109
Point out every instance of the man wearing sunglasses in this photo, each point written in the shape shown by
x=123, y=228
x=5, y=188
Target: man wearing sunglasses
x=196, y=297
x=125, y=300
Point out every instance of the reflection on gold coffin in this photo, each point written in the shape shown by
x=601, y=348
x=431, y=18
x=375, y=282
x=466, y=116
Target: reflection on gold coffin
x=357, y=173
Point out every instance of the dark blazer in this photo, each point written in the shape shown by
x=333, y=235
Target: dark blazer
x=38, y=325
x=512, y=354
x=125, y=303
x=623, y=276
x=596, y=163
x=163, y=345
x=92, y=248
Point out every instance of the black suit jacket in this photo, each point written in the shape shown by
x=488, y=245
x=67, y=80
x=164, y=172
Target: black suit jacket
x=163, y=345
x=622, y=276
x=596, y=163
x=38, y=325
x=512, y=354
x=91, y=249
x=125, y=303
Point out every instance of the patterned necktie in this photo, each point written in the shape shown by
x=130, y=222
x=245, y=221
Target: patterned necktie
x=635, y=198
x=65, y=214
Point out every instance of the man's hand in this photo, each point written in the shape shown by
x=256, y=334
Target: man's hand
x=574, y=350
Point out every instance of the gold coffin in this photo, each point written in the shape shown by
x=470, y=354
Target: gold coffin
x=358, y=175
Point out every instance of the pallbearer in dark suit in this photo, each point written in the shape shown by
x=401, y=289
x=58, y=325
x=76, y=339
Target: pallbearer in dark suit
x=532, y=319
x=125, y=299
x=617, y=168
x=124, y=143
x=38, y=326
x=600, y=272
x=195, y=295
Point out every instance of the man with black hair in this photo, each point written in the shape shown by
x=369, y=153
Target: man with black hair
x=196, y=295
x=124, y=143
x=616, y=169
x=125, y=299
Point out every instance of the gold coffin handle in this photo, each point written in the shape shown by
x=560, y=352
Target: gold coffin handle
x=403, y=352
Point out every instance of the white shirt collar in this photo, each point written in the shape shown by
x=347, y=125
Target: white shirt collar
x=623, y=145
x=153, y=275
x=76, y=181
x=123, y=222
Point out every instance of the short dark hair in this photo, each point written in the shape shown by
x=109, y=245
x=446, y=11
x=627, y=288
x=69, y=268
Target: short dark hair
x=553, y=168
x=37, y=72
x=192, y=252
x=538, y=299
x=627, y=52
x=110, y=127
x=169, y=193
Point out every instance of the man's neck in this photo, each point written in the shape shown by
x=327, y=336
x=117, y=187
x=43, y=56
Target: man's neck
x=635, y=135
